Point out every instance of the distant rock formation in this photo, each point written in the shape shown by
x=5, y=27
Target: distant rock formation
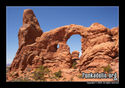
x=100, y=47
x=75, y=55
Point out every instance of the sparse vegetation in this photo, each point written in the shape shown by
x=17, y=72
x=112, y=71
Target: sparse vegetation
x=64, y=78
x=79, y=76
x=40, y=73
x=74, y=64
x=107, y=69
x=21, y=79
x=58, y=74
x=11, y=74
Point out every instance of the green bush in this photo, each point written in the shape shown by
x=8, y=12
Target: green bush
x=74, y=64
x=40, y=72
x=38, y=76
x=21, y=79
x=79, y=76
x=58, y=74
x=107, y=68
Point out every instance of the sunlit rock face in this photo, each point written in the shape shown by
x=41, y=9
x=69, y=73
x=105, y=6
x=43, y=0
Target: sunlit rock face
x=75, y=55
x=99, y=45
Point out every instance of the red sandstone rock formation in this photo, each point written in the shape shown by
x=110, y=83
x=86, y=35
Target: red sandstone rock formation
x=100, y=46
x=75, y=55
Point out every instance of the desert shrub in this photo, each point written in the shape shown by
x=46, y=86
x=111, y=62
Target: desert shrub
x=79, y=76
x=74, y=64
x=107, y=68
x=40, y=72
x=11, y=74
x=64, y=78
x=38, y=76
x=21, y=79
x=58, y=74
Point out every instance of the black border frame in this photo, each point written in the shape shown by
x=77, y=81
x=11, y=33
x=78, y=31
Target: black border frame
x=5, y=3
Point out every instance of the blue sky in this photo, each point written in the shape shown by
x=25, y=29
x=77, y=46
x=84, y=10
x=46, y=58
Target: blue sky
x=51, y=17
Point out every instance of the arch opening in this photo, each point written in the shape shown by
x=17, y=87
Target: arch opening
x=74, y=42
x=57, y=46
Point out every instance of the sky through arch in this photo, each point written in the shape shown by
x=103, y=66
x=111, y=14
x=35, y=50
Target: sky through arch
x=74, y=42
